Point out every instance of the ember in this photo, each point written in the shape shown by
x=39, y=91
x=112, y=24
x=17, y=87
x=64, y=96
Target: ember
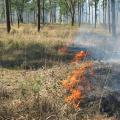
x=63, y=50
x=80, y=55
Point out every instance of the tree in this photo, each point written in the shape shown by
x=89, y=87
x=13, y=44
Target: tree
x=69, y=7
x=89, y=12
x=2, y=11
x=105, y=3
x=96, y=6
x=79, y=13
x=33, y=8
x=39, y=14
x=51, y=6
x=109, y=15
x=19, y=6
x=113, y=18
x=43, y=8
x=8, y=15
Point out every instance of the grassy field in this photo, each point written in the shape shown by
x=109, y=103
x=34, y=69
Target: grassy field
x=31, y=69
x=26, y=48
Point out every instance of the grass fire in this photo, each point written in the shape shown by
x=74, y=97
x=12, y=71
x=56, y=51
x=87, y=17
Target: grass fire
x=59, y=60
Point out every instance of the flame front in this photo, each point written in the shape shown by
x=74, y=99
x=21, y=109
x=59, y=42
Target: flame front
x=77, y=84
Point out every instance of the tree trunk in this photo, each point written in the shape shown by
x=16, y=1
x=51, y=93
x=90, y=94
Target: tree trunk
x=18, y=20
x=109, y=16
x=28, y=17
x=82, y=13
x=92, y=14
x=21, y=17
x=73, y=16
x=11, y=19
x=43, y=12
x=34, y=17
x=73, y=19
x=89, y=13
x=8, y=15
x=55, y=14
x=103, y=12
x=113, y=18
x=78, y=13
x=50, y=12
x=67, y=18
x=95, y=13
x=60, y=17
x=38, y=3
x=86, y=13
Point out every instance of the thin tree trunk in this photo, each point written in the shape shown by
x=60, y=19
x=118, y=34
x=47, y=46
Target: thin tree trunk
x=82, y=13
x=18, y=20
x=34, y=16
x=92, y=14
x=89, y=13
x=38, y=3
x=103, y=12
x=50, y=11
x=60, y=17
x=67, y=18
x=4, y=11
x=28, y=17
x=11, y=20
x=43, y=12
x=21, y=17
x=55, y=14
x=73, y=19
x=95, y=13
x=78, y=13
x=113, y=18
x=8, y=15
x=86, y=13
x=109, y=16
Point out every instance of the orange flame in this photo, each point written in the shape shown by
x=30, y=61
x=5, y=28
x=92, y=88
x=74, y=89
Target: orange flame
x=80, y=55
x=75, y=95
x=63, y=50
x=76, y=82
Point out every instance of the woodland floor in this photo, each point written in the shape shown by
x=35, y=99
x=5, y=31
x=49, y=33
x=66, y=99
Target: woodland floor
x=32, y=67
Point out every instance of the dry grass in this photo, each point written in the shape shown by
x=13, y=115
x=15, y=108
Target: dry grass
x=30, y=75
x=26, y=48
x=36, y=92
x=26, y=93
x=39, y=95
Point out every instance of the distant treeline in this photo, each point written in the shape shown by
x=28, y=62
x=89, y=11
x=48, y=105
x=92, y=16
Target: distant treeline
x=39, y=12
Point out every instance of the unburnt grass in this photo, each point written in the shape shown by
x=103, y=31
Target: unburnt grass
x=31, y=69
x=25, y=48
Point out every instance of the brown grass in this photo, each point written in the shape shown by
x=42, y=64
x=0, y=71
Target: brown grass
x=26, y=48
x=27, y=93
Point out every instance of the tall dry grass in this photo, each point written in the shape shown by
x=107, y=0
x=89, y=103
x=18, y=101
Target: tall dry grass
x=26, y=48
x=27, y=93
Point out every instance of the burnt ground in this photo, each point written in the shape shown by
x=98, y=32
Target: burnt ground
x=105, y=52
x=105, y=98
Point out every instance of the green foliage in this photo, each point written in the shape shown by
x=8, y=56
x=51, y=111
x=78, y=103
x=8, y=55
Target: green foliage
x=37, y=85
